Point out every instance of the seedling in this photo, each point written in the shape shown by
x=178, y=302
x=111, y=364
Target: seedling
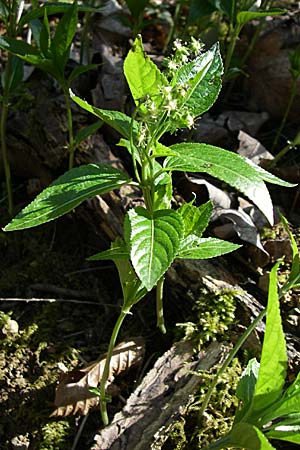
x=51, y=55
x=267, y=409
x=154, y=235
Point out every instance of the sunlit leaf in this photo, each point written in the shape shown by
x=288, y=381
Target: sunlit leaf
x=153, y=241
x=67, y=192
x=193, y=247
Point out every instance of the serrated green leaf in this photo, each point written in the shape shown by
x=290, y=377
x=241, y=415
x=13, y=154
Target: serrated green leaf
x=244, y=17
x=246, y=436
x=227, y=166
x=193, y=247
x=273, y=364
x=153, y=241
x=86, y=132
x=196, y=219
x=116, y=119
x=79, y=70
x=203, y=76
x=269, y=177
x=161, y=150
x=143, y=76
x=63, y=37
x=67, y=192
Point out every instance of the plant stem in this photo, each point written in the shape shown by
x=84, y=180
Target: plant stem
x=233, y=38
x=5, y=105
x=159, y=306
x=288, y=147
x=103, y=397
x=287, y=111
x=228, y=360
x=71, y=146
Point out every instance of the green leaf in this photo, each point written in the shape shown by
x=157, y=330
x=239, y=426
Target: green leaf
x=163, y=188
x=79, y=70
x=196, y=219
x=17, y=72
x=287, y=429
x=64, y=34
x=4, y=12
x=53, y=8
x=244, y=17
x=36, y=26
x=86, y=132
x=246, y=387
x=227, y=166
x=45, y=40
x=119, y=251
x=153, y=241
x=136, y=7
x=246, y=436
x=132, y=288
x=269, y=177
x=193, y=247
x=161, y=150
x=142, y=75
x=132, y=149
x=294, y=273
x=203, y=76
x=116, y=119
x=67, y=192
x=273, y=364
x=288, y=404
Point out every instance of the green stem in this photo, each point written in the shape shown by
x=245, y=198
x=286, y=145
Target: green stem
x=228, y=360
x=233, y=38
x=287, y=111
x=103, y=397
x=5, y=105
x=288, y=147
x=71, y=144
x=159, y=306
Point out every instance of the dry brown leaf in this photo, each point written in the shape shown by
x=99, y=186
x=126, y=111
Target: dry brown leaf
x=72, y=393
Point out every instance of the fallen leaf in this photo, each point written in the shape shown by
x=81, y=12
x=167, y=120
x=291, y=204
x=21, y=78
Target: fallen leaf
x=72, y=393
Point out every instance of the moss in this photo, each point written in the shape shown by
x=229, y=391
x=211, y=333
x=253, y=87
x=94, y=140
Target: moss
x=194, y=432
x=56, y=435
x=213, y=314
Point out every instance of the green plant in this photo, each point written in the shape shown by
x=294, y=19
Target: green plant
x=154, y=235
x=267, y=410
x=51, y=55
x=294, y=58
x=10, y=12
x=238, y=13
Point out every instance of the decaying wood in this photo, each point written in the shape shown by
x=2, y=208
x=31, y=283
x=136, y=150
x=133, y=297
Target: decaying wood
x=73, y=395
x=162, y=397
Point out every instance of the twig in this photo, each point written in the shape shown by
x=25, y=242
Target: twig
x=49, y=300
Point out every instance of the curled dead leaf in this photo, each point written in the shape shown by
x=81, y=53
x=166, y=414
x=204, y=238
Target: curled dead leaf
x=72, y=393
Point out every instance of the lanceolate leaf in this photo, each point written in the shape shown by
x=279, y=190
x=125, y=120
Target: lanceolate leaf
x=193, y=247
x=246, y=387
x=86, y=132
x=64, y=34
x=52, y=8
x=142, y=75
x=273, y=364
x=117, y=120
x=225, y=165
x=246, y=436
x=154, y=241
x=67, y=192
x=245, y=16
x=136, y=7
x=204, y=78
